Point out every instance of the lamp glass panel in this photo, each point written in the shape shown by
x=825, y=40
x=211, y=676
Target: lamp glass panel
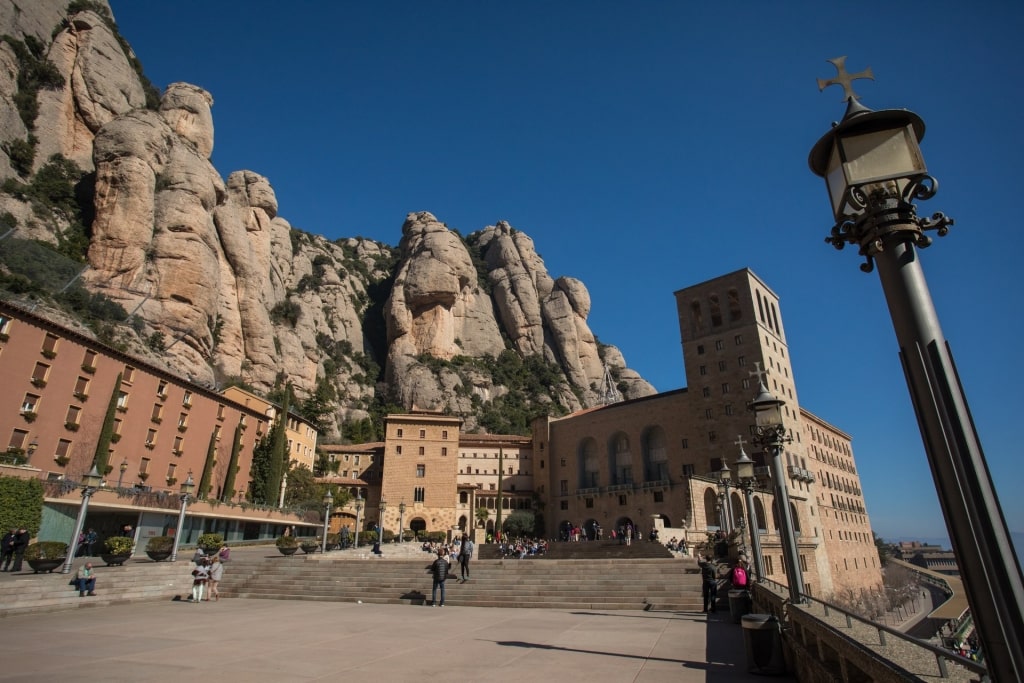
x=882, y=154
x=744, y=469
x=767, y=416
x=835, y=179
x=92, y=479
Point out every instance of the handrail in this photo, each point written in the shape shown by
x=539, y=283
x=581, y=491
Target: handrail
x=942, y=656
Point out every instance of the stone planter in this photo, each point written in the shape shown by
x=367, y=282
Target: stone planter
x=45, y=565
x=114, y=560
x=158, y=555
x=309, y=549
x=288, y=551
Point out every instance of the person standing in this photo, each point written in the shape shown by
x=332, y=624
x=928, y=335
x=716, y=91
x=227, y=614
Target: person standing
x=709, y=582
x=629, y=534
x=20, y=543
x=439, y=569
x=85, y=579
x=465, y=555
x=7, y=550
x=200, y=575
x=216, y=574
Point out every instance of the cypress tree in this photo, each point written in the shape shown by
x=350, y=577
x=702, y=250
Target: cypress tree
x=211, y=460
x=102, y=455
x=229, y=478
x=279, y=452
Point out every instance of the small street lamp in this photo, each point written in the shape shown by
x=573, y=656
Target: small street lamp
x=123, y=468
x=772, y=435
x=359, y=516
x=90, y=482
x=874, y=171
x=745, y=480
x=401, y=521
x=328, y=499
x=380, y=521
x=187, y=487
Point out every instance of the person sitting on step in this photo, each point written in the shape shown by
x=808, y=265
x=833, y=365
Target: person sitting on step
x=85, y=579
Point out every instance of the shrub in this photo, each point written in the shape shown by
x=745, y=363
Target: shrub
x=286, y=542
x=118, y=545
x=211, y=541
x=46, y=550
x=160, y=544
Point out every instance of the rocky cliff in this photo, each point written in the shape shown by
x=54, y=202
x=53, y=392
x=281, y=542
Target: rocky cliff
x=222, y=289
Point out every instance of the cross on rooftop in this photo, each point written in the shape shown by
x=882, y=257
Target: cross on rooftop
x=740, y=441
x=844, y=79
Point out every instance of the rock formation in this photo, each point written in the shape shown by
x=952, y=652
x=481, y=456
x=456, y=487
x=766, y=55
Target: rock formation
x=224, y=289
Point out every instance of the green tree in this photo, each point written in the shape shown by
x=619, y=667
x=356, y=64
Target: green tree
x=101, y=456
x=482, y=515
x=520, y=523
x=279, y=454
x=208, y=465
x=229, y=477
x=261, y=456
x=882, y=547
x=21, y=504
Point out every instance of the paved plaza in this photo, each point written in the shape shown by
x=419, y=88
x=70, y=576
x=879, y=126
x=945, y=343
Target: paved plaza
x=273, y=640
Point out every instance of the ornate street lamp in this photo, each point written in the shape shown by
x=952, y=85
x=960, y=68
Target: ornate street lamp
x=724, y=479
x=187, y=487
x=122, y=469
x=745, y=480
x=359, y=515
x=90, y=482
x=772, y=435
x=328, y=499
x=874, y=170
x=401, y=521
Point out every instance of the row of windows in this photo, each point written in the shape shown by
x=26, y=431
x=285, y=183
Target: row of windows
x=421, y=450
x=720, y=345
x=399, y=432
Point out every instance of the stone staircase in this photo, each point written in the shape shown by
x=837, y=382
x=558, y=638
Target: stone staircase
x=593, y=583
x=137, y=580
x=585, y=550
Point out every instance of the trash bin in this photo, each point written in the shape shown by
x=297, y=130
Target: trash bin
x=739, y=604
x=763, y=642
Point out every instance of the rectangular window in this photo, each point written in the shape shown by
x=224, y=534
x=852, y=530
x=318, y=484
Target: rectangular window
x=117, y=426
x=63, y=448
x=89, y=361
x=182, y=420
x=170, y=471
x=178, y=445
x=157, y=415
x=39, y=374
x=216, y=432
x=708, y=413
x=129, y=374
x=423, y=433
x=161, y=389
x=187, y=399
x=50, y=345
x=712, y=437
x=721, y=365
x=688, y=470
x=703, y=369
x=564, y=505
x=563, y=487
x=706, y=392
x=220, y=411
x=18, y=439
x=719, y=345
x=700, y=349
x=622, y=499
x=398, y=449
x=685, y=443
x=73, y=414
x=590, y=502
x=144, y=466
x=5, y=324
x=30, y=403
x=444, y=450
x=82, y=388
x=725, y=388
x=151, y=438
x=738, y=339
x=122, y=400
x=419, y=494
x=421, y=471
x=746, y=382
x=444, y=433
x=768, y=565
x=741, y=361
x=728, y=409
x=399, y=433
x=422, y=450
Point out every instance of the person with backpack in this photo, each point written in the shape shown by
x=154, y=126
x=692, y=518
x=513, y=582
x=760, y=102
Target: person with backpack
x=740, y=575
x=439, y=570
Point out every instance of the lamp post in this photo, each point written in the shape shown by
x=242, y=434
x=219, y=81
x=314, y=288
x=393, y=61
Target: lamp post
x=122, y=469
x=745, y=481
x=380, y=521
x=328, y=499
x=724, y=478
x=874, y=170
x=187, y=487
x=359, y=515
x=401, y=521
x=90, y=482
x=772, y=435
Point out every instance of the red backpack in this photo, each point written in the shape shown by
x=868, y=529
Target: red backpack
x=739, y=576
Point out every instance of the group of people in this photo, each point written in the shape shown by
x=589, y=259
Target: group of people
x=12, y=549
x=677, y=546
x=521, y=548
x=207, y=574
x=711, y=573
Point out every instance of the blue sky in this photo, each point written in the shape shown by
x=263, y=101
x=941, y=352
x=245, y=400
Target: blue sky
x=646, y=147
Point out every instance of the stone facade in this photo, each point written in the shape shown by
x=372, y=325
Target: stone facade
x=300, y=433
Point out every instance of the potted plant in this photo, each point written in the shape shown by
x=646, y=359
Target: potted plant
x=287, y=545
x=46, y=556
x=119, y=550
x=159, y=547
x=309, y=545
x=210, y=543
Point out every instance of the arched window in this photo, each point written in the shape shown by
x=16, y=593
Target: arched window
x=735, y=312
x=696, y=317
x=591, y=465
x=737, y=506
x=711, y=508
x=655, y=454
x=760, y=304
x=796, y=518
x=762, y=524
x=622, y=459
x=716, y=311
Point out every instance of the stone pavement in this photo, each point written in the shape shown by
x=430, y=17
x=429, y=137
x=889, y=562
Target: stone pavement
x=273, y=640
